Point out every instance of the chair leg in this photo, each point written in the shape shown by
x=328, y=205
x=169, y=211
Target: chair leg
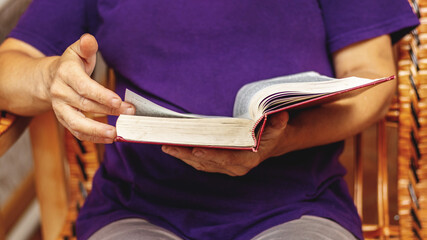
x=2, y=230
x=358, y=174
x=383, y=208
x=50, y=173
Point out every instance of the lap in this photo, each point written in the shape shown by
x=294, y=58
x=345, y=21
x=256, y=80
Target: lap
x=307, y=227
x=133, y=229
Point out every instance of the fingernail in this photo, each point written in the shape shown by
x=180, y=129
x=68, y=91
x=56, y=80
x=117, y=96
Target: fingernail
x=130, y=111
x=116, y=102
x=108, y=140
x=110, y=133
x=198, y=153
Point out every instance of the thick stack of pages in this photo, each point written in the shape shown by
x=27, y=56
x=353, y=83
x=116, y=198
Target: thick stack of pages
x=254, y=102
x=412, y=161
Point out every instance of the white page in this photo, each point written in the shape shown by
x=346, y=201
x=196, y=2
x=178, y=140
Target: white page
x=145, y=107
x=247, y=92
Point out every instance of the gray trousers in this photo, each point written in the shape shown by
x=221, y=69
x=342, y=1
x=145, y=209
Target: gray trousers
x=305, y=228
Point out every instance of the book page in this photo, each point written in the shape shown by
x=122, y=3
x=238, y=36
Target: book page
x=145, y=107
x=285, y=94
x=247, y=92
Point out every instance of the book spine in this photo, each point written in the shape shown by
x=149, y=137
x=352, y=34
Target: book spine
x=257, y=139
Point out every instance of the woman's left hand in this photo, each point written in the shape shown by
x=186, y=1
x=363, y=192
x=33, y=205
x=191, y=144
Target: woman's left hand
x=235, y=162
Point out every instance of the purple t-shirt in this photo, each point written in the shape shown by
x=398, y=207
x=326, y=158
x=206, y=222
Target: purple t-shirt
x=192, y=56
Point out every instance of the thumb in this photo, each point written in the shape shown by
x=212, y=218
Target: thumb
x=86, y=48
x=279, y=120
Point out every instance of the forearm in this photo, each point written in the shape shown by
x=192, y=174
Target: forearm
x=333, y=122
x=336, y=121
x=23, y=82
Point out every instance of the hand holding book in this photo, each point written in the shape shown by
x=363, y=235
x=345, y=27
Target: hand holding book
x=234, y=162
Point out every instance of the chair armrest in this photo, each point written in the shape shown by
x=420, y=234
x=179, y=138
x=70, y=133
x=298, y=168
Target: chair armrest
x=11, y=128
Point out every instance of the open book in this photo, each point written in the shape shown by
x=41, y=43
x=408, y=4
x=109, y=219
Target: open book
x=254, y=103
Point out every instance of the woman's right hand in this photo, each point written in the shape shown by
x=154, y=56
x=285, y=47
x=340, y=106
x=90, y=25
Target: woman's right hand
x=71, y=91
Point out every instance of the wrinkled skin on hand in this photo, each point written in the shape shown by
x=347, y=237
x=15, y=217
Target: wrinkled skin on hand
x=235, y=162
x=72, y=91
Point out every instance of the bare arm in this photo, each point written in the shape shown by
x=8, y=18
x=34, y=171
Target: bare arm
x=333, y=122
x=31, y=83
x=18, y=84
x=326, y=124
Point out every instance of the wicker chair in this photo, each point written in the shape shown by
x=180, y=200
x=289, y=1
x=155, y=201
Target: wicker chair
x=64, y=172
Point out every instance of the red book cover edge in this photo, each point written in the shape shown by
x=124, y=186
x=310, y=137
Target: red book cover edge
x=263, y=119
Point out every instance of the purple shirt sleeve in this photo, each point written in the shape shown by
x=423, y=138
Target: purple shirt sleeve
x=351, y=21
x=51, y=26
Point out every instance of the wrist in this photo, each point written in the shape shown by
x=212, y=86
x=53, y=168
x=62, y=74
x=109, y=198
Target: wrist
x=48, y=66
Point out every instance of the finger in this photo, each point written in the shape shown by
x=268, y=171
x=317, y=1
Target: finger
x=68, y=95
x=72, y=69
x=279, y=120
x=234, y=162
x=127, y=108
x=86, y=48
x=89, y=138
x=276, y=126
x=189, y=156
x=201, y=166
x=185, y=154
x=71, y=74
x=81, y=126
